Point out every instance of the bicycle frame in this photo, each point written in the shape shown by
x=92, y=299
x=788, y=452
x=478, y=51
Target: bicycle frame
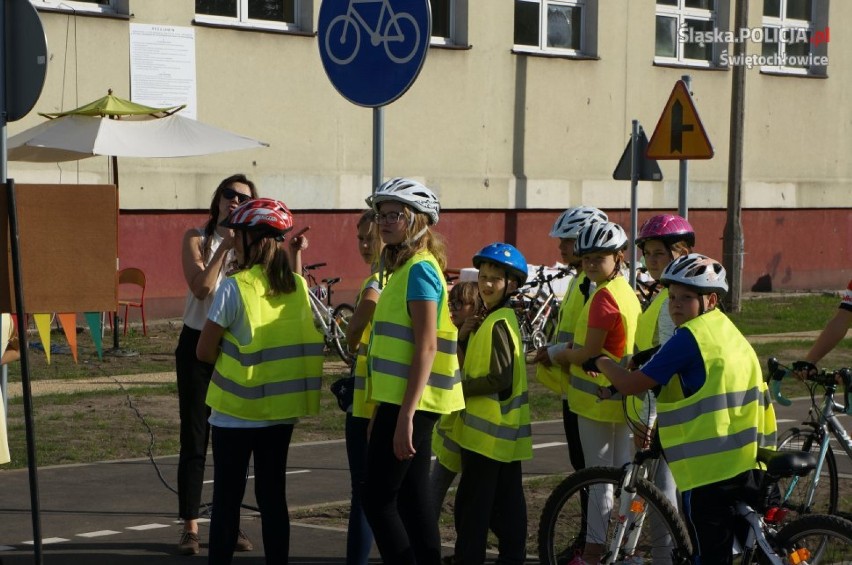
x=375, y=34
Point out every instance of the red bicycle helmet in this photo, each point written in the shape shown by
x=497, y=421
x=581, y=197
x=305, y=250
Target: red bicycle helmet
x=264, y=215
x=668, y=228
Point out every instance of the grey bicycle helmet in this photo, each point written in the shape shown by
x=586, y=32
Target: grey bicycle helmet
x=698, y=271
x=571, y=221
x=408, y=192
x=600, y=237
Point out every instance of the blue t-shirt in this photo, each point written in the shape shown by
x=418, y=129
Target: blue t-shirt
x=679, y=355
x=424, y=283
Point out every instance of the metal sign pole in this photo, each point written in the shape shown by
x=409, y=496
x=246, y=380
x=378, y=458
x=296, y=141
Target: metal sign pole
x=378, y=146
x=634, y=198
x=683, y=180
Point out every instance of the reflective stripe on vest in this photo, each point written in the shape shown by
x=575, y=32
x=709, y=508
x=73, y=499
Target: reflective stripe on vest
x=278, y=375
x=582, y=394
x=555, y=377
x=447, y=451
x=714, y=434
x=646, y=329
x=360, y=407
x=496, y=429
x=392, y=348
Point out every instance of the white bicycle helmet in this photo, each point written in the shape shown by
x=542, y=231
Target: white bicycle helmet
x=601, y=236
x=571, y=221
x=408, y=192
x=698, y=271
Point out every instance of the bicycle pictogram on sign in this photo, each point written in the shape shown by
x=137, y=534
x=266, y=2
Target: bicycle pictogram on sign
x=398, y=31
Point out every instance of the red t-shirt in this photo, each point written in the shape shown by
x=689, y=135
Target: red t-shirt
x=605, y=315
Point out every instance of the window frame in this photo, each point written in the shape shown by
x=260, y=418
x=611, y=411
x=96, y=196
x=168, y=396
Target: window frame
x=588, y=25
x=809, y=25
x=681, y=13
x=458, y=36
x=239, y=21
x=113, y=8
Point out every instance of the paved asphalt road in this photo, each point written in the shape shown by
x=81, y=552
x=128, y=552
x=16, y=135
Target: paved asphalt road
x=120, y=512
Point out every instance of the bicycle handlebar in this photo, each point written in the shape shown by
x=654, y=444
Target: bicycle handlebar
x=314, y=266
x=824, y=378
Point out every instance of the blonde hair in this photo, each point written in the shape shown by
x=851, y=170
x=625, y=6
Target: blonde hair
x=395, y=256
x=467, y=292
x=679, y=249
x=375, y=241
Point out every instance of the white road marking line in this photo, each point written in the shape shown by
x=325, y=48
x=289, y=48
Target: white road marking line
x=6, y=548
x=299, y=472
x=98, y=534
x=144, y=527
x=551, y=444
x=47, y=541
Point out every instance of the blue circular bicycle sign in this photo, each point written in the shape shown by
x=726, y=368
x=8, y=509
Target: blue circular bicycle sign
x=373, y=50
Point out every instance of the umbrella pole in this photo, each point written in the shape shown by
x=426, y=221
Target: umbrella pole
x=116, y=350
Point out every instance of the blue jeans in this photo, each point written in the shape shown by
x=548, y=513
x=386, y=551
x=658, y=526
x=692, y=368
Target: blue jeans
x=359, y=536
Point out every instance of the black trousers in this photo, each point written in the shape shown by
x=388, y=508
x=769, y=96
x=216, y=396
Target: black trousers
x=572, y=437
x=711, y=518
x=398, y=501
x=193, y=378
x=232, y=450
x=490, y=496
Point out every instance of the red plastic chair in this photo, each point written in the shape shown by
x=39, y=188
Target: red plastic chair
x=131, y=297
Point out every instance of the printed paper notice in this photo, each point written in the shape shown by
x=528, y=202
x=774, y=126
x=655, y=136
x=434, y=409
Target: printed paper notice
x=162, y=66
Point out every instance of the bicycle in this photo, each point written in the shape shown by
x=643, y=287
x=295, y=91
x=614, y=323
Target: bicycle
x=809, y=494
x=638, y=506
x=537, y=314
x=330, y=320
x=343, y=50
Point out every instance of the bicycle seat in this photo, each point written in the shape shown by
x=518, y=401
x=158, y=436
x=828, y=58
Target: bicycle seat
x=335, y=280
x=781, y=464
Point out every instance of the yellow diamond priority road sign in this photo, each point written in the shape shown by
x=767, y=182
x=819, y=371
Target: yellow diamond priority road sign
x=679, y=133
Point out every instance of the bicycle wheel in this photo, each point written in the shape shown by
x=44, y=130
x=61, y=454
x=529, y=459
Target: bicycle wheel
x=817, y=538
x=794, y=490
x=655, y=533
x=340, y=321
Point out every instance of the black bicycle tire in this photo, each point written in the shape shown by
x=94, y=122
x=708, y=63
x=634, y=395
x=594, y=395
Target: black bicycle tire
x=339, y=341
x=820, y=525
x=608, y=475
x=808, y=443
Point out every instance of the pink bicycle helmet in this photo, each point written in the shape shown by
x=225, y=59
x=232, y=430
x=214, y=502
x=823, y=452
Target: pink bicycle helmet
x=668, y=228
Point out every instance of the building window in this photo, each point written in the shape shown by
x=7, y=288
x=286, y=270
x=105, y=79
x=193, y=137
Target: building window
x=685, y=32
x=557, y=26
x=262, y=14
x=795, y=36
x=107, y=7
x=449, y=22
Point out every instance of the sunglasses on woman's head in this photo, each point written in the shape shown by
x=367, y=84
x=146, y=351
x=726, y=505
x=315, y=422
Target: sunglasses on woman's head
x=230, y=194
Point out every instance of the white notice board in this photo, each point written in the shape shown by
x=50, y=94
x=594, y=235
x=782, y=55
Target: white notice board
x=162, y=66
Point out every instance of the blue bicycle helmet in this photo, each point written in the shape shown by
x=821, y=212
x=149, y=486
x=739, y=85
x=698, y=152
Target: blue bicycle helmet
x=506, y=256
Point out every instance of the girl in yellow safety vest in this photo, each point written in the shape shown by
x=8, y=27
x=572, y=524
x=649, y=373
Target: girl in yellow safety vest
x=566, y=228
x=413, y=374
x=359, y=536
x=607, y=325
x=493, y=430
x=467, y=313
x=268, y=359
x=714, y=407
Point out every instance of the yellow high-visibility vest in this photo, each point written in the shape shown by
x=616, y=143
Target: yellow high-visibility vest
x=497, y=429
x=446, y=451
x=555, y=377
x=392, y=348
x=360, y=407
x=646, y=331
x=583, y=393
x=278, y=374
x=714, y=434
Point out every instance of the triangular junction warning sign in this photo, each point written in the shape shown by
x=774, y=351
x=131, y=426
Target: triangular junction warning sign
x=679, y=133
